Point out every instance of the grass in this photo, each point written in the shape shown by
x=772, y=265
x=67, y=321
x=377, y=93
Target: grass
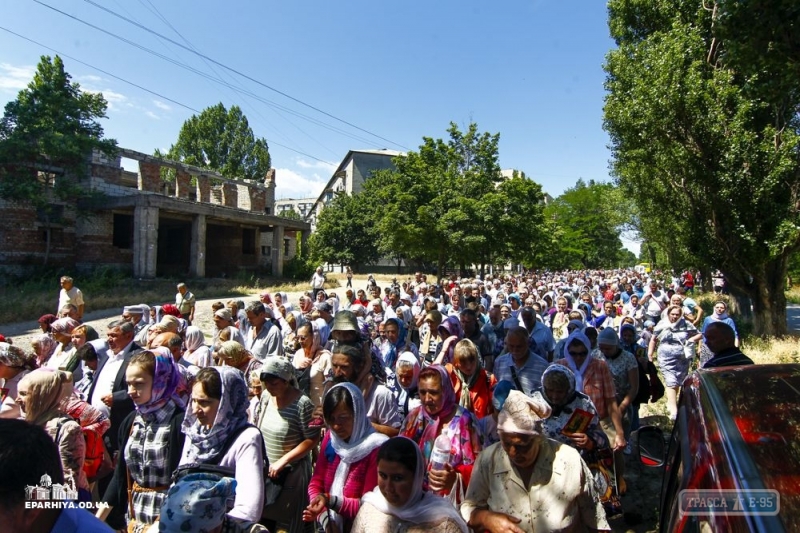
x=793, y=295
x=23, y=299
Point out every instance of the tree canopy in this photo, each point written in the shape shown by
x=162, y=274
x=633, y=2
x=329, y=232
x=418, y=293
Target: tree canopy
x=222, y=140
x=702, y=111
x=46, y=137
x=343, y=235
x=449, y=203
x=46, y=140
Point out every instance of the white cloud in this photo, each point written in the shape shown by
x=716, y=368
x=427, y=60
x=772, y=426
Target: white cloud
x=329, y=167
x=90, y=78
x=161, y=105
x=291, y=184
x=13, y=78
x=152, y=115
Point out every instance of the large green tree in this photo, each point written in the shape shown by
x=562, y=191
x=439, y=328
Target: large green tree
x=703, y=111
x=589, y=218
x=448, y=203
x=222, y=140
x=343, y=235
x=46, y=138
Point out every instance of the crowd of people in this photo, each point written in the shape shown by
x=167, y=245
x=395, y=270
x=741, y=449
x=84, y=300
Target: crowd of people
x=497, y=404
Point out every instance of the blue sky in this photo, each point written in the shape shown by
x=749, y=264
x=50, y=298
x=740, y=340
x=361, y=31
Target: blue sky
x=530, y=70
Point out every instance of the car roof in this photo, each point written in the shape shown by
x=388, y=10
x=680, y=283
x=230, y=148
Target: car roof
x=764, y=406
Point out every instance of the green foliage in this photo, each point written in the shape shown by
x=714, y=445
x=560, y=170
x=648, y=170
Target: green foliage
x=704, y=135
x=46, y=136
x=448, y=203
x=585, y=224
x=299, y=268
x=221, y=140
x=343, y=235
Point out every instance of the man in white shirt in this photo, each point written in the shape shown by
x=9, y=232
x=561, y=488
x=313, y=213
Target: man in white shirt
x=109, y=391
x=70, y=294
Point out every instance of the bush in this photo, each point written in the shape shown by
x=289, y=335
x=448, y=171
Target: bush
x=299, y=268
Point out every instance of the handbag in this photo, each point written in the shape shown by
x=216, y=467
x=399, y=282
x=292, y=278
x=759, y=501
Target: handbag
x=656, y=386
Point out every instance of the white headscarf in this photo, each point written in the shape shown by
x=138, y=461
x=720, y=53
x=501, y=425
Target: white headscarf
x=581, y=337
x=362, y=441
x=523, y=414
x=422, y=507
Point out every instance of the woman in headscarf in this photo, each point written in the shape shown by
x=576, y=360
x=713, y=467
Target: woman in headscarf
x=472, y=385
x=15, y=364
x=395, y=342
x=400, y=502
x=450, y=331
x=346, y=468
x=45, y=321
x=574, y=419
x=407, y=375
x=527, y=482
x=720, y=314
x=231, y=353
x=217, y=432
x=39, y=399
x=572, y=325
x=673, y=341
x=593, y=378
x=197, y=353
x=149, y=438
x=61, y=331
x=284, y=423
x=312, y=360
x=94, y=423
x=441, y=414
x=43, y=346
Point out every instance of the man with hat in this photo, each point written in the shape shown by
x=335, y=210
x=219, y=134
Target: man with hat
x=135, y=315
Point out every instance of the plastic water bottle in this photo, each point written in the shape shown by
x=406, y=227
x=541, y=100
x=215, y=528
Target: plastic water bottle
x=440, y=455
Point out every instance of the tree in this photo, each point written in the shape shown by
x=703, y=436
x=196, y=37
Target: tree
x=291, y=214
x=222, y=140
x=702, y=112
x=46, y=138
x=443, y=202
x=343, y=234
x=589, y=217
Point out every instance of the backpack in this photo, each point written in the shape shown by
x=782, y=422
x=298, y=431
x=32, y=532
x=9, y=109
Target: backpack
x=95, y=451
x=272, y=487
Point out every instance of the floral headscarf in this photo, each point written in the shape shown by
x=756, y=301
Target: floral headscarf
x=569, y=396
x=205, y=444
x=47, y=345
x=431, y=422
x=167, y=383
x=43, y=401
x=64, y=325
x=362, y=441
x=14, y=357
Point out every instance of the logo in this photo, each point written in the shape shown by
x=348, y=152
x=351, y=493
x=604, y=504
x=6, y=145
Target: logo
x=46, y=490
x=765, y=502
x=49, y=495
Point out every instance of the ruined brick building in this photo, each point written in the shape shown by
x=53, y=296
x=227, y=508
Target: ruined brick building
x=200, y=224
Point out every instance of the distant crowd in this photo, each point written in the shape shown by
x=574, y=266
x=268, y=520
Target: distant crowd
x=502, y=403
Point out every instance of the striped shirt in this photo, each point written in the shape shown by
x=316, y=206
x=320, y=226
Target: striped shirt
x=285, y=428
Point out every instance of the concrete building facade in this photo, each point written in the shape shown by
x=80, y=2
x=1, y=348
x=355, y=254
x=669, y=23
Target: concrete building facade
x=200, y=224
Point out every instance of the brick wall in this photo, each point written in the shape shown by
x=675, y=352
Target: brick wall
x=149, y=177
x=203, y=189
x=182, y=184
x=229, y=194
x=258, y=199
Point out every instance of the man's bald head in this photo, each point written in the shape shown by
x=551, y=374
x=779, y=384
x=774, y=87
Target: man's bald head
x=169, y=340
x=719, y=336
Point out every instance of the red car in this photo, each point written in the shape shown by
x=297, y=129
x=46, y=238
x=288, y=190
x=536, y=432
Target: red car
x=733, y=461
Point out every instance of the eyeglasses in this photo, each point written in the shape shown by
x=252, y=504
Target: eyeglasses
x=583, y=353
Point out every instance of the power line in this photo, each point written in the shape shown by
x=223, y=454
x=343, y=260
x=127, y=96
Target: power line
x=207, y=76
x=297, y=100
x=144, y=88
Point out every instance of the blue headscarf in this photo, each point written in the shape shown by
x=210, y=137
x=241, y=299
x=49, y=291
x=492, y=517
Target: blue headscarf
x=389, y=350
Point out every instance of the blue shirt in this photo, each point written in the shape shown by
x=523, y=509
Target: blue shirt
x=74, y=520
x=529, y=374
